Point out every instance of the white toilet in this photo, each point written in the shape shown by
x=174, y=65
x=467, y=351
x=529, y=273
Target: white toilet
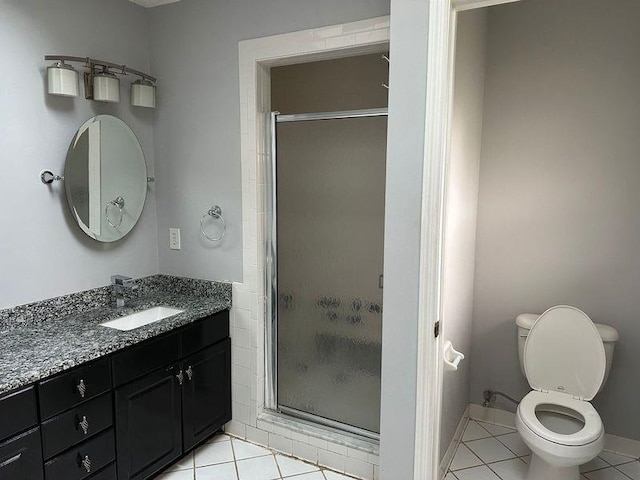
x=566, y=359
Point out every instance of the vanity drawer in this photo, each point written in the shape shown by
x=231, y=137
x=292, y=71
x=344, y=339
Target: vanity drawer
x=108, y=473
x=68, y=389
x=21, y=457
x=205, y=333
x=18, y=412
x=84, y=460
x=67, y=429
x=144, y=358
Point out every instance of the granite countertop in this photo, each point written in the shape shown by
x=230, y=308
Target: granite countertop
x=36, y=350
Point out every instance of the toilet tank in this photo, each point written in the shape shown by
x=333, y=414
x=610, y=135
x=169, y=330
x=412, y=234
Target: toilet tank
x=609, y=336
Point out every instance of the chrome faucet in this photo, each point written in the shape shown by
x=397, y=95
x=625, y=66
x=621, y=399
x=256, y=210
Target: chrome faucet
x=120, y=284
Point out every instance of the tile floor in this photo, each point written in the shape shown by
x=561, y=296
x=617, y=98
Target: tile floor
x=228, y=458
x=493, y=452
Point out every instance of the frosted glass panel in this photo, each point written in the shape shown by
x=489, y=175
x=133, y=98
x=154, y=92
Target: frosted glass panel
x=330, y=224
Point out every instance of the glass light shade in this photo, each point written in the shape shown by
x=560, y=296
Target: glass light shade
x=62, y=80
x=143, y=94
x=106, y=88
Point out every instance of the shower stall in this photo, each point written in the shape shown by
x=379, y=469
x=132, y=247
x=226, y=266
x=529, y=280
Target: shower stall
x=325, y=227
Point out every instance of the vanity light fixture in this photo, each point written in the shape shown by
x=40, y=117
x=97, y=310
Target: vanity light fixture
x=106, y=87
x=62, y=80
x=143, y=94
x=100, y=80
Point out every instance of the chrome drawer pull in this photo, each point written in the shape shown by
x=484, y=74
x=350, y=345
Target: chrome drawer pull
x=82, y=388
x=86, y=463
x=9, y=461
x=84, y=424
x=189, y=372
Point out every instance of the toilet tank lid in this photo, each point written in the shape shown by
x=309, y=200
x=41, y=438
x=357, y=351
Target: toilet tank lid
x=607, y=332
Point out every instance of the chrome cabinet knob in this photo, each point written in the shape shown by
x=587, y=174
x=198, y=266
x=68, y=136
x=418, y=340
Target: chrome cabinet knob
x=86, y=463
x=189, y=372
x=84, y=424
x=82, y=388
x=180, y=377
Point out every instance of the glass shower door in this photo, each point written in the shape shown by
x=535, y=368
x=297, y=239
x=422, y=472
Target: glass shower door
x=329, y=185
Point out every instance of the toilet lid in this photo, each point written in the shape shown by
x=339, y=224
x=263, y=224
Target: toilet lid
x=564, y=353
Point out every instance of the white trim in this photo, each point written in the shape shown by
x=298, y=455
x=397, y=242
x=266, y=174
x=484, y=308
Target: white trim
x=453, y=445
x=439, y=97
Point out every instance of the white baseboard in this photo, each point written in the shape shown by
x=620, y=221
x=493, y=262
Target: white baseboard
x=453, y=445
x=612, y=443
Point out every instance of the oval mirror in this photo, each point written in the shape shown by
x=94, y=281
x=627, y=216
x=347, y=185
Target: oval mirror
x=105, y=178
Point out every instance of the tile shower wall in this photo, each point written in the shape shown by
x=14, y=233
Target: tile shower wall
x=247, y=315
x=43, y=254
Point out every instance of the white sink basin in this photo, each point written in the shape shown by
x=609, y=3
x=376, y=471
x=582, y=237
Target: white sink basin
x=142, y=318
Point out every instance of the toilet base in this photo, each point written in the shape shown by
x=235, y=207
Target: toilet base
x=541, y=470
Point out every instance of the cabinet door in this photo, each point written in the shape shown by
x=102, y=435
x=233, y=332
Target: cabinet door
x=206, y=393
x=21, y=457
x=148, y=424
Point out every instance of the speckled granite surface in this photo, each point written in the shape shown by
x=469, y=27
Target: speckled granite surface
x=44, y=338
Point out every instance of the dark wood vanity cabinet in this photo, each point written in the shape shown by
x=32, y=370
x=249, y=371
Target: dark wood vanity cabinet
x=125, y=416
x=206, y=396
x=20, y=451
x=176, y=403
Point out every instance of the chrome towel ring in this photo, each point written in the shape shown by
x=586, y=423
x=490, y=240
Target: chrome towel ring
x=119, y=204
x=214, y=212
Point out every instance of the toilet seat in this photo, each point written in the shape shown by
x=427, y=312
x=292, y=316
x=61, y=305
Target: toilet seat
x=590, y=433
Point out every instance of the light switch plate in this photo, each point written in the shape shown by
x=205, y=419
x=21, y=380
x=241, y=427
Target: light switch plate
x=174, y=238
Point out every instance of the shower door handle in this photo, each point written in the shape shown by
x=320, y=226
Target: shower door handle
x=381, y=281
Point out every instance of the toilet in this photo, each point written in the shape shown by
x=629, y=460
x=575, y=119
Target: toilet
x=566, y=359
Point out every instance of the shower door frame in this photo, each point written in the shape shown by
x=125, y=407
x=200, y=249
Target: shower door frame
x=271, y=269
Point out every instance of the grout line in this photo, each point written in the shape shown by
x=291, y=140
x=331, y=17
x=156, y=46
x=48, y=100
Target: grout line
x=235, y=462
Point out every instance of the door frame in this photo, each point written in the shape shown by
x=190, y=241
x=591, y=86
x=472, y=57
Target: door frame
x=439, y=100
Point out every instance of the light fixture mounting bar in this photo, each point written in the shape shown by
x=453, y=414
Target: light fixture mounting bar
x=91, y=62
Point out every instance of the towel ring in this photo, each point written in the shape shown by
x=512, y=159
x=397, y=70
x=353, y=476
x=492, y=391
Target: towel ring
x=216, y=213
x=119, y=203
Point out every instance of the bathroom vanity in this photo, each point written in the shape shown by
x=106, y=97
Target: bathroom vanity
x=96, y=403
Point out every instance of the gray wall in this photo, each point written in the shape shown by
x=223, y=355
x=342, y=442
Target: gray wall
x=461, y=210
x=197, y=129
x=42, y=252
x=559, y=205
x=403, y=207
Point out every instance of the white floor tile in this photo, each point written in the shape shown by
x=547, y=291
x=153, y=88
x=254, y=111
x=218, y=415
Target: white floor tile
x=222, y=471
x=606, y=474
x=490, y=450
x=513, y=441
x=595, y=464
x=329, y=475
x=477, y=473
x=213, y=453
x=184, y=464
x=291, y=466
x=632, y=469
x=243, y=450
x=177, y=475
x=308, y=476
x=474, y=432
x=464, y=458
x=450, y=476
x=219, y=438
x=615, y=458
x=496, y=429
x=258, y=468
x=510, y=469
